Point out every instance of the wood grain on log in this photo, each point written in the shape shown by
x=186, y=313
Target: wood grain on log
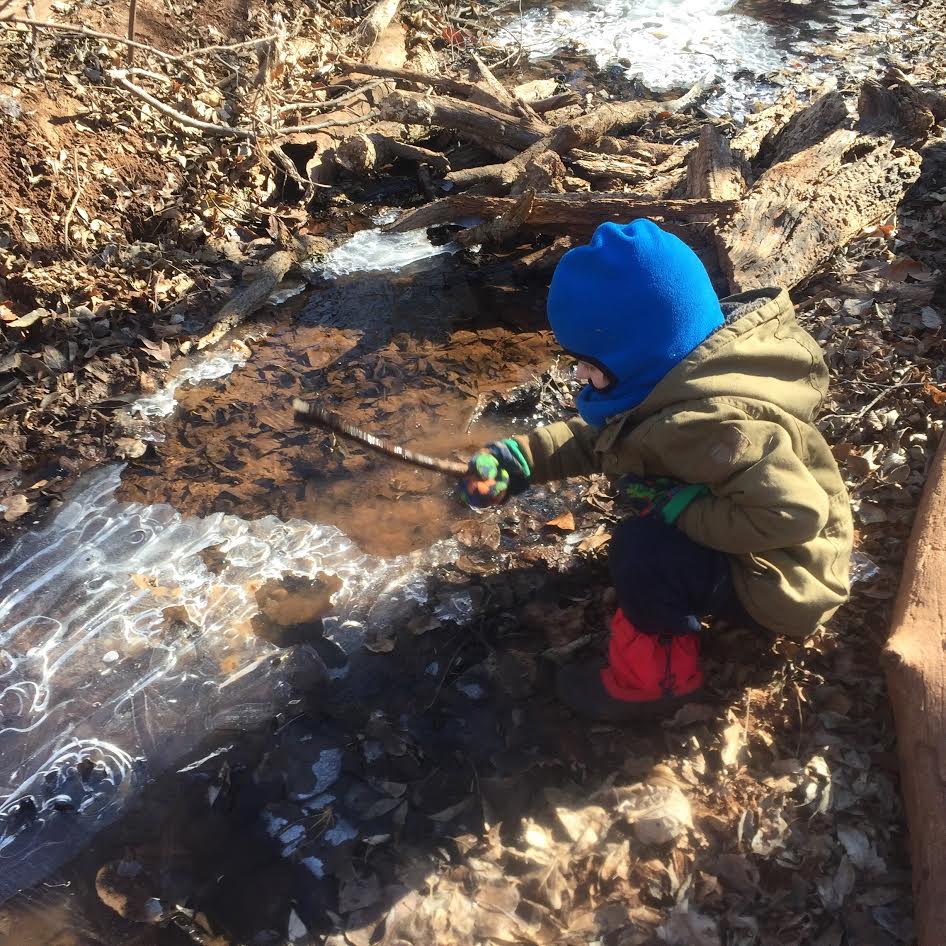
x=801, y=211
x=806, y=127
x=633, y=147
x=712, y=169
x=617, y=167
x=552, y=211
x=502, y=228
x=915, y=664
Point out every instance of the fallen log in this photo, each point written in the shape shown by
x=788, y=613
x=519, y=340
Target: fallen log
x=633, y=147
x=584, y=130
x=807, y=127
x=713, y=171
x=915, y=664
x=616, y=167
x=497, y=132
x=553, y=102
x=551, y=211
x=374, y=24
x=502, y=228
x=802, y=210
x=247, y=299
x=368, y=153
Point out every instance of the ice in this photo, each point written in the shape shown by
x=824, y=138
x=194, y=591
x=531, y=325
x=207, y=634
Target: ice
x=203, y=368
x=101, y=686
x=673, y=45
x=372, y=250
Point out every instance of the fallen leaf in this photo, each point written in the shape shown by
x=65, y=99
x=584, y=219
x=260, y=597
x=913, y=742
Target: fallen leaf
x=14, y=507
x=565, y=522
x=929, y=317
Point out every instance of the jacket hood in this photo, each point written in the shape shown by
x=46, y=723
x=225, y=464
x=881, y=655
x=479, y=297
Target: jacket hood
x=761, y=353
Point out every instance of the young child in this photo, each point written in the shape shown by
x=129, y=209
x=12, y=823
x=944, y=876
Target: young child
x=704, y=412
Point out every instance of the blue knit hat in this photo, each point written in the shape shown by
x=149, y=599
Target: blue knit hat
x=634, y=302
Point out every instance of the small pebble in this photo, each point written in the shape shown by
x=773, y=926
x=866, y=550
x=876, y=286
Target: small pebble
x=111, y=657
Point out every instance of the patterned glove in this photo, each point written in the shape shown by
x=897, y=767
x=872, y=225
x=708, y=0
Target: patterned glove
x=659, y=496
x=495, y=473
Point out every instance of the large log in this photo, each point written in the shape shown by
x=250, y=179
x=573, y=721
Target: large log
x=554, y=211
x=368, y=153
x=915, y=664
x=495, y=131
x=802, y=210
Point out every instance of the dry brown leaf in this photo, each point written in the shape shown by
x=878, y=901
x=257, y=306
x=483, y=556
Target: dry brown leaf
x=565, y=522
x=14, y=507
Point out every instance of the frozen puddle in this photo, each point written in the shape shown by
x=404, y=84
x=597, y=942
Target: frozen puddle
x=121, y=650
x=672, y=45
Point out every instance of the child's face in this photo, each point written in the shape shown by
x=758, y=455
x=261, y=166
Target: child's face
x=594, y=376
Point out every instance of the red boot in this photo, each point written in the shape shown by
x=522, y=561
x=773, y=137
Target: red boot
x=646, y=675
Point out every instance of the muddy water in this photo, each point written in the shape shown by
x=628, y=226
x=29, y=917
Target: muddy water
x=165, y=613
x=409, y=356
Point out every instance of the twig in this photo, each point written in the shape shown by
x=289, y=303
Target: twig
x=75, y=200
x=287, y=130
x=230, y=47
x=132, y=12
x=343, y=99
x=82, y=31
x=209, y=128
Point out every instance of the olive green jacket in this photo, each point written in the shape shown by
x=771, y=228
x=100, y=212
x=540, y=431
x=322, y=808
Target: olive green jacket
x=738, y=416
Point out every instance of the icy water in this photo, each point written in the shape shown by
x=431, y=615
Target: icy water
x=754, y=48
x=244, y=564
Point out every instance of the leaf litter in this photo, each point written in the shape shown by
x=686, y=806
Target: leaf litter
x=768, y=814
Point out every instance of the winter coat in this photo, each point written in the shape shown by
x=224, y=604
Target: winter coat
x=737, y=415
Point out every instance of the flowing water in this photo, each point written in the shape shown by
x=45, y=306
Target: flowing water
x=753, y=48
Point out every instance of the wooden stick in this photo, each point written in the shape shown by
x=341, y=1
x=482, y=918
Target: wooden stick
x=119, y=77
x=375, y=23
x=557, y=210
x=82, y=31
x=312, y=413
x=132, y=12
x=246, y=300
x=915, y=664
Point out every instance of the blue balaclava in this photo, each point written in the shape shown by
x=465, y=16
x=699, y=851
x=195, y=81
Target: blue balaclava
x=634, y=302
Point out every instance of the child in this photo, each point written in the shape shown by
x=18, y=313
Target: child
x=704, y=411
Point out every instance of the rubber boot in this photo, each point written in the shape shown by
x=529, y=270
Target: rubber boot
x=645, y=676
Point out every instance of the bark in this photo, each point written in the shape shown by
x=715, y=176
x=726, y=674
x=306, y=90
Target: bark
x=495, y=131
x=246, y=300
x=896, y=106
x=747, y=143
x=633, y=147
x=557, y=211
x=615, y=167
x=372, y=27
x=805, y=128
x=503, y=227
x=712, y=169
x=802, y=210
x=915, y=664
x=367, y=154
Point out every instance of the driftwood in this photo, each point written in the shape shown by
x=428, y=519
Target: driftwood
x=497, y=132
x=584, y=130
x=247, y=299
x=915, y=665
x=712, y=169
x=503, y=227
x=616, y=167
x=555, y=211
x=801, y=211
x=807, y=127
x=366, y=154
x=633, y=147
x=374, y=24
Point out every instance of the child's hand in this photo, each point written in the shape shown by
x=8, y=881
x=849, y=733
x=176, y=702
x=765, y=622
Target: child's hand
x=495, y=473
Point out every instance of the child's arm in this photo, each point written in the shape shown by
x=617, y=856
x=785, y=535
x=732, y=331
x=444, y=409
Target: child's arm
x=762, y=495
x=560, y=450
